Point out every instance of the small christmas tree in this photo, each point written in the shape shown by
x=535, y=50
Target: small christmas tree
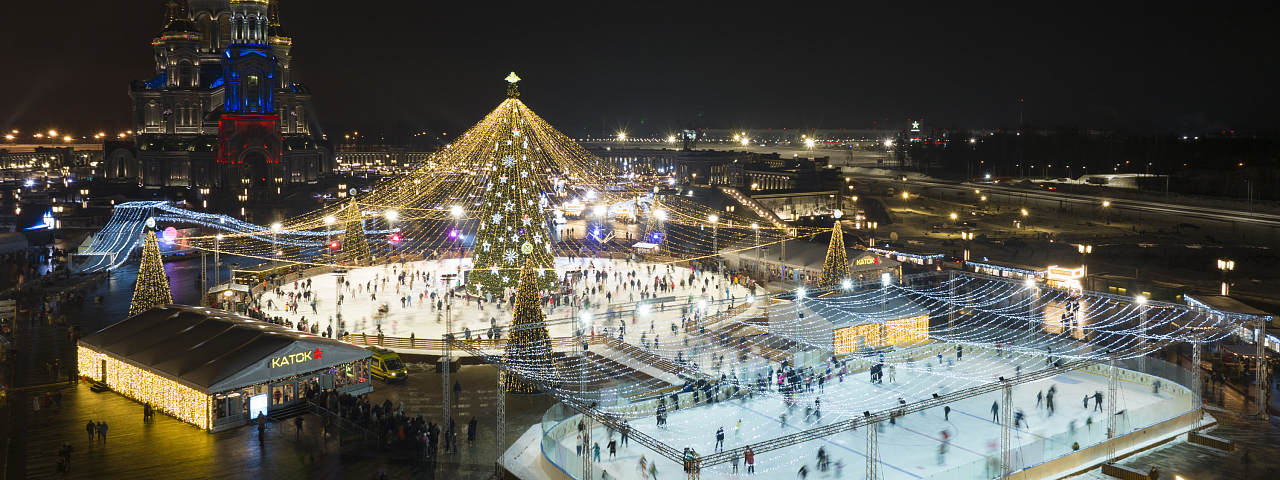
x=355, y=248
x=513, y=231
x=528, y=349
x=835, y=269
x=152, y=289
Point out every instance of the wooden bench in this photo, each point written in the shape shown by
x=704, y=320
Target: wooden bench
x=1124, y=473
x=1211, y=442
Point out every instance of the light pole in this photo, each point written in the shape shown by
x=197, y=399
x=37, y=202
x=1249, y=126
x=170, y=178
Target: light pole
x=1085, y=250
x=905, y=196
x=457, y=212
x=217, y=261
x=1031, y=302
x=1226, y=266
x=967, y=237
x=1106, y=210
x=1142, y=328
x=715, y=234
x=329, y=220
x=391, y=215
x=275, y=231
x=756, y=227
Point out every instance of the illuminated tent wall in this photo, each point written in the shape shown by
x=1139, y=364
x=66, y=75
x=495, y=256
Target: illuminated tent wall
x=843, y=324
x=177, y=357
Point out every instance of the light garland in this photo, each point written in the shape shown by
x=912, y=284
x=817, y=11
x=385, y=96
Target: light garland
x=165, y=395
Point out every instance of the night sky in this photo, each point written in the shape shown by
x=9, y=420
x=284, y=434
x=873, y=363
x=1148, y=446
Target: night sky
x=1182, y=67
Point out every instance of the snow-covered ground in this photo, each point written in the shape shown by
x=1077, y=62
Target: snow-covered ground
x=359, y=306
x=908, y=450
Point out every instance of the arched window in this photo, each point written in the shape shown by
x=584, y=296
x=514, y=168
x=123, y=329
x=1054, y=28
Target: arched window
x=184, y=74
x=224, y=31
x=206, y=28
x=252, y=92
x=153, y=113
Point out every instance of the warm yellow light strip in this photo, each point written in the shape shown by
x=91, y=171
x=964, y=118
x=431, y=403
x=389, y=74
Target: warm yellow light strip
x=168, y=396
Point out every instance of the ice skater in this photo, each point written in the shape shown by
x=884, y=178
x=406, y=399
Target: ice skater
x=946, y=413
x=1097, y=401
x=720, y=439
x=995, y=410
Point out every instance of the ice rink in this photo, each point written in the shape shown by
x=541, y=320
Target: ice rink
x=359, y=307
x=908, y=450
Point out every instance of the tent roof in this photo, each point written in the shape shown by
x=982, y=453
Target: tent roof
x=213, y=350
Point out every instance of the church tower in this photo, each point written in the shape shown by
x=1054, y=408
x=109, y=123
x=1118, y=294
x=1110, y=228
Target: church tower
x=221, y=112
x=249, y=141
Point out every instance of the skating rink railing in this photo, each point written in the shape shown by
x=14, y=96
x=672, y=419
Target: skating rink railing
x=1036, y=457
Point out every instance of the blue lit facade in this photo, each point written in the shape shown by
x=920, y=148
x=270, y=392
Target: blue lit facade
x=221, y=110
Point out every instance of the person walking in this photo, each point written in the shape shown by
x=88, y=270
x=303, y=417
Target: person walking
x=1246, y=461
x=625, y=429
x=457, y=391
x=750, y=456
x=471, y=430
x=92, y=428
x=262, y=425
x=35, y=406
x=1097, y=401
x=297, y=427
x=613, y=448
x=102, y=431
x=720, y=439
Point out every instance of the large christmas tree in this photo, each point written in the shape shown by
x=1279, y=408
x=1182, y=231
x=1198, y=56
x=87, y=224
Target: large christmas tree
x=355, y=247
x=513, y=230
x=152, y=289
x=835, y=269
x=528, y=349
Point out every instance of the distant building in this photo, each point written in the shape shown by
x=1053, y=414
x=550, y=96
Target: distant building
x=222, y=110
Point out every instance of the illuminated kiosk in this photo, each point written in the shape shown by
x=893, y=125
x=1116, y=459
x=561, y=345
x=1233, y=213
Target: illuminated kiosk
x=850, y=327
x=215, y=369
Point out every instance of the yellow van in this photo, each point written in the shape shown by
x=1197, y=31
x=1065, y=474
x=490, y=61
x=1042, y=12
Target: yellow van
x=387, y=365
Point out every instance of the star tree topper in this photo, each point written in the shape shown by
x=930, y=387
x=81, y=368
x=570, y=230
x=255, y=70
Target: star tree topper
x=512, y=78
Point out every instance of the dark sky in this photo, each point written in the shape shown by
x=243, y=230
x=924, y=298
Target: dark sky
x=1182, y=66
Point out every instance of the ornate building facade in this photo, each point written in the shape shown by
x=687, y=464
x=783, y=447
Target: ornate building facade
x=222, y=110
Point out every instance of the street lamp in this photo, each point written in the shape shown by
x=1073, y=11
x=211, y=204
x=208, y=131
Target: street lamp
x=756, y=227
x=715, y=230
x=1084, y=250
x=275, y=231
x=457, y=212
x=905, y=197
x=329, y=220
x=217, y=260
x=1226, y=266
x=967, y=237
x=1106, y=209
x=391, y=215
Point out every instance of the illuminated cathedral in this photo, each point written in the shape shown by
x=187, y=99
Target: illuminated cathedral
x=222, y=111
